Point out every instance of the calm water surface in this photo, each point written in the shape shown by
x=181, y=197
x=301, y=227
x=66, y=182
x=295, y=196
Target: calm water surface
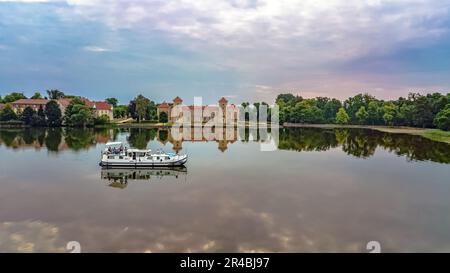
x=323, y=190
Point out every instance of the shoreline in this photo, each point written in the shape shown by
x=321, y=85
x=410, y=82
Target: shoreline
x=432, y=134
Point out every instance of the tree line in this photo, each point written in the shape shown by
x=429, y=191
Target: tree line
x=77, y=113
x=140, y=108
x=416, y=110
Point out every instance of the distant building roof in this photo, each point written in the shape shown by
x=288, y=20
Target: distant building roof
x=98, y=105
x=223, y=100
x=177, y=100
x=101, y=105
x=163, y=105
x=30, y=102
x=64, y=102
x=2, y=106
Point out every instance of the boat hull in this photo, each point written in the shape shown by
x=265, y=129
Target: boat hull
x=142, y=164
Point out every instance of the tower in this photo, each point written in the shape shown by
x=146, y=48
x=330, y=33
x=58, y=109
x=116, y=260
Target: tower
x=223, y=106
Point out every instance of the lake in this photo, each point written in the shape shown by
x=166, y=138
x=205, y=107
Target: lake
x=323, y=190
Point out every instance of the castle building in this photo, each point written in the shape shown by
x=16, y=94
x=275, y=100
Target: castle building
x=198, y=113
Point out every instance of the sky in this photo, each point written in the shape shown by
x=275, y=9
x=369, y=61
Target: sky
x=249, y=50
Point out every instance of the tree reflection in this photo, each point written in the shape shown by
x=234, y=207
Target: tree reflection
x=307, y=140
x=139, y=137
x=53, y=139
x=363, y=143
x=360, y=143
x=79, y=138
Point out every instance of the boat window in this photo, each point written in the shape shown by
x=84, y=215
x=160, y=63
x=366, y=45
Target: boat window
x=120, y=157
x=111, y=157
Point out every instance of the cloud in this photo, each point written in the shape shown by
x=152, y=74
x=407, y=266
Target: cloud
x=336, y=29
x=285, y=32
x=270, y=43
x=96, y=49
x=278, y=39
x=30, y=1
x=29, y=236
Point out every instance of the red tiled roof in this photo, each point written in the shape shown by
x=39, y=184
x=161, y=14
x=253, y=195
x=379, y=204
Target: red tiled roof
x=30, y=102
x=177, y=99
x=88, y=102
x=163, y=105
x=223, y=100
x=101, y=105
x=98, y=105
x=64, y=102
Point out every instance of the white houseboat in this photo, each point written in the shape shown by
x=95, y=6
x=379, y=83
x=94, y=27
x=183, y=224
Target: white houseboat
x=117, y=155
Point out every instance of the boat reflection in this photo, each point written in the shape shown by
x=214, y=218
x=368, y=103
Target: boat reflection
x=119, y=178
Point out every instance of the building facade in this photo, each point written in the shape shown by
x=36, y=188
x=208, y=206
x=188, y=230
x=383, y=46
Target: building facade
x=19, y=105
x=99, y=108
x=200, y=114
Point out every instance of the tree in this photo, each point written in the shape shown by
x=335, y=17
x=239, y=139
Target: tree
x=7, y=114
x=37, y=95
x=422, y=114
x=353, y=104
x=442, y=119
x=102, y=120
x=78, y=114
x=151, y=113
x=120, y=111
x=112, y=101
x=330, y=109
x=390, y=113
x=132, y=110
x=374, y=113
x=53, y=114
x=141, y=107
x=405, y=112
x=288, y=98
x=38, y=119
x=27, y=115
x=163, y=118
x=362, y=115
x=306, y=111
x=81, y=117
x=342, y=116
x=246, y=109
x=55, y=94
x=13, y=97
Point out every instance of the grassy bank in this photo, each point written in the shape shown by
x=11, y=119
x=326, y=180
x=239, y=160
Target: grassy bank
x=432, y=134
